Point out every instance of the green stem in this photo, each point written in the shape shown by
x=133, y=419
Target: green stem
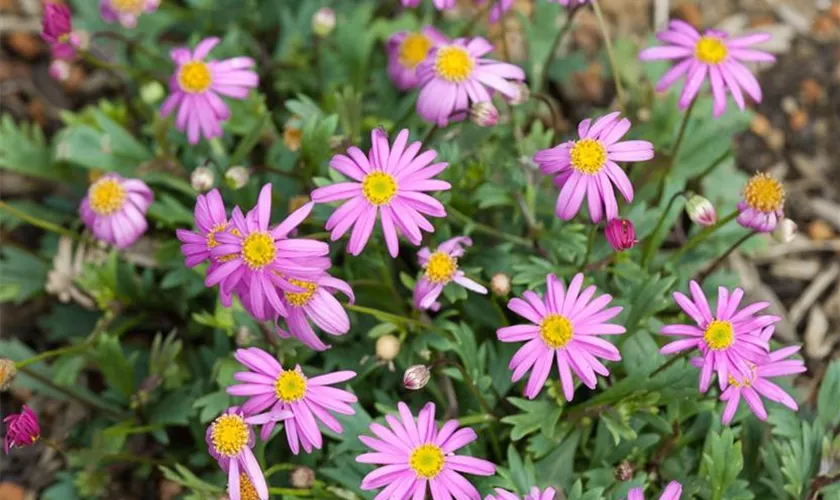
x=428, y=137
x=561, y=34
x=668, y=363
x=140, y=459
x=72, y=393
x=676, y=149
x=52, y=353
x=393, y=318
x=292, y=492
x=277, y=468
x=619, y=89
x=99, y=63
x=552, y=106
x=483, y=228
x=37, y=222
x=481, y=418
x=130, y=43
x=702, y=276
x=651, y=244
x=702, y=235
x=589, y=245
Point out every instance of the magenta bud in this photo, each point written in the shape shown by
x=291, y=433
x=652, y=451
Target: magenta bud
x=620, y=234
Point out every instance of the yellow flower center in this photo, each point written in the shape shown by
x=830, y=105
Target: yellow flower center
x=719, y=335
x=290, y=386
x=711, y=50
x=454, y=64
x=764, y=193
x=414, y=49
x=556, y=331
x=588, y=156
x=129, y=6
x=747, y=382
x=106, y=196
x=246, y=488
x=379, y=187
x=211, y=236
x=229, y=434
x=258, y=250
x=427, y=461
x=441, y=267
x=194, y=77
x=300, y=299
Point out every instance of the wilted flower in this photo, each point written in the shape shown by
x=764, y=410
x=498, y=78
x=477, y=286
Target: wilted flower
x=22, y=429
x=115, y=209
x=323, y=21
x=292, y=134
x=59, y=70
x=8, y=371
x=672, y=492
x=624, y=471
x=484, y=114
x=57, y=31
x=406, y=50
x=302, y=477
x=700, y=210
x=229, y=440
x=621, y=234
x=763, y=204
x=416, y=377
x=534, y=493
x=387, y=347
x=126, y=11
x=500, y=284
x=202, y=179
x=785, y=231
x=66, y=267
x=237, y=176
x=439, y=269
x=210, y=217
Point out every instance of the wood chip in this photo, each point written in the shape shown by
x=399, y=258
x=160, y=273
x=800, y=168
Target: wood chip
x=756, y=291
x=827, y=210
x=816, y=346
x=811, y=294
x=797, y=246
x=797, y=269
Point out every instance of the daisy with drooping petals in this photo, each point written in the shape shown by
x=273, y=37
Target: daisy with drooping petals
x=534, y=494
x=457, y=74
x=22, y=429
x=714, y=55
x=115, y=209
x=439, y=269
x=196, y=85
x=126, y=11
x=566, y=325
x=726, y=339
x=210, y=219
x=415, y=457
x=291, y=397
x=754, y=386
x=265, y=260
x=672, y=492
x=587, y=167
x=406, y=50
x=318, y=304
x=229, y=440
x=763, y=204
x=389, y=183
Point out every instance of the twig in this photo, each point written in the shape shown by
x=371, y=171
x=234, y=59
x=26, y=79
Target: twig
x=709, y=270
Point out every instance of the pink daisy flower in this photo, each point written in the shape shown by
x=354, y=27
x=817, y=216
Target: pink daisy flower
x=318, y=304
x=726, y=339
x=289, y=396
x=534, y=494
x=756, y=384
x=672, y=492
x=587, y=167
x=439, y=269
x=22, y=429
x=263, y=260
x=712, y=55
x=114, y=209
x=406, y=50
x=125, y=11
x=566, y=325
x=210, y=220
x=196, y=85
x=763, y=204
x=229, y=440
x=456, y=75
x=415, y=457
x=389, y=182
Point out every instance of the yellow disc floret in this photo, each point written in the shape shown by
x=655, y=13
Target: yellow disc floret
x=229, y=435
x=588, y=156
x=764, y=193
x=427, y=461
x=413, y=50
x=300, y=299
x=441, y=267
x=194, y=77
x=129, y=6
x=556, y=331
x=290, y=386
x=258, y=250
x=711, y=50
x=379, y=187
x=454, y=64
x=106, y=196
x=719, y=335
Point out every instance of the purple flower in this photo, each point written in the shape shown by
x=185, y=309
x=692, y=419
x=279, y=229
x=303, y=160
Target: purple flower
x=58, y=31
x=565, y=325
x=712, y=54
x=534, y=494
x=439, y=269
x=406, y=50
x=587, y=167
x=210, y=220
x=22, y=429
x=621, y=235
x=115, y=209
x=672, y=492
x=763, y=204
x=229, y=440
x=316, y=303
x=125, y=11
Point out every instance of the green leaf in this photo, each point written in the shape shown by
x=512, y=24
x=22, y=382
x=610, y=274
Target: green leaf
x=117, y=369
x=531, y=418
x=24, y=275
x=828, y=399
x=722, y=462
x=249, y=141
x=212, y=405
x=24, y=150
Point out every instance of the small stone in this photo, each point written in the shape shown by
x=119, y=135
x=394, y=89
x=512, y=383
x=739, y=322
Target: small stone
x=761, y=126
x=789, y=105
x=820, y=230
x=796, y=269
x=811, y=91
x=798, y=120
x=776, y=140
x=25, y=44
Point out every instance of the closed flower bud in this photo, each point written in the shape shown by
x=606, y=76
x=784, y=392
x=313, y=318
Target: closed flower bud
x=522, y=96
x=323, y=22
x=202, y=179
x=387, y=347
x=624, y=471
x=22, y=429
x=8, y=370
x=416, y=377
x=621, y=234
x=700, y=210
x=500, y=284
x=302, y=477
x=59, y=70
x=785, y=231
x=236, y=177
x=484, y=114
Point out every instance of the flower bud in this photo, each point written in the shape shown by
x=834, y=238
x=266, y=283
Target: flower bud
x=785, y=231
x=22, y=429
x=323, y=21
x=59, y=70
x=416, y=377
x=523, y=94
x=302, y=477
x=8, y=370
x=236, y=177
x=700, y=210
x=620, y=234
x=500, y=284
x=484, y=114
x=387, y=347
x=624, y=471
x=292, y=135
x=202, y=179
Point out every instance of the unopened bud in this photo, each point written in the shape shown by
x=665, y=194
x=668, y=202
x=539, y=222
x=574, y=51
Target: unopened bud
x=236, y=177
x=59, y=70
x=785, y=231
x=484, y=114
x=302, y=477
x=416, y=377
x=624, y=471
x=387, y=347
x=522, y=96
x=700, y=210
x=8, y=370
x=202, y=179
x=500, y=284
x=621, y=235
x=323, y=21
